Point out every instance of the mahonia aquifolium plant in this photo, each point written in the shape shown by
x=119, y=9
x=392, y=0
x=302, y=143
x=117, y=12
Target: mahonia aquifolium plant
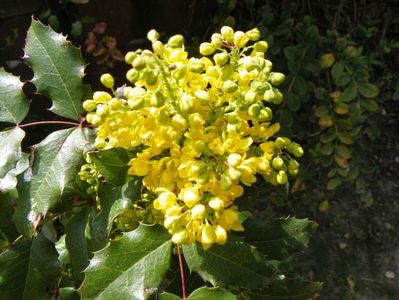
x=205, y=129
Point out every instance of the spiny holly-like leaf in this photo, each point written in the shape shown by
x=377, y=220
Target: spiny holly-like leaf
x=287, y=289
x=278, y=239
x=234, y=264
x=206, y=293
x=112, y=164
x=56, y=161
x=58, y=69
x=12, y=161
x=29, y=270
x=75, y=241
x=131, y=267
x=113, y=201
x=13, y=104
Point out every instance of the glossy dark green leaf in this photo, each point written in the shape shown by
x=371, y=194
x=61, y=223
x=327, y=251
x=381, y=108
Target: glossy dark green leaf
x=348, y=94
x=7, y=228
x=12, y=161
x=287, y=289
x=29, y=270
x=58, y=69
x=234, y=264
x=112, y=164
x=131, y=267
x=205, y=293
x=76, y=244
x=368, y=90
x=56, y=161
x=168, y=296
x=13, y=104
x=68, y=293
x=113, y=201
x=278, y=239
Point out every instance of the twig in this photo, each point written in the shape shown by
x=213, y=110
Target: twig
x=49, y=123
x=183, y=285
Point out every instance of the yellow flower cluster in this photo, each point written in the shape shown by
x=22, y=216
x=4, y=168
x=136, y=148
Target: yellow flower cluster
x=204, y=125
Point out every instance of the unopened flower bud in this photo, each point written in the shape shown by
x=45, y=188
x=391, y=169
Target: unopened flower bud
x=240, y=39
x=227, y=33
x=176, y=41
x=216, y=40
x=107, y=80
x=276, y=78
x=153, y=35
x=206, y=49
x=229, y=86
x=221, y=58
x=253, y=34
x=130, y=56
x=261, y=46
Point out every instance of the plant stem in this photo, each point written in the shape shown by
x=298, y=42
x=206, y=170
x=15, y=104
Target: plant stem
x=183, y=285
x=49, y=123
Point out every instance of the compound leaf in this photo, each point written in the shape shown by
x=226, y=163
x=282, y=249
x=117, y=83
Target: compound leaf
x=57, y=160
x=287, y=289
x=131, y=267
x=58, y=69
x=12, y=161
x=13, y=104
x=205, y=293
x=280, y=238
x=234, y=264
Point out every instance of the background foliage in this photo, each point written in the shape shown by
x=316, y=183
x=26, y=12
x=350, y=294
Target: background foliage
x=342, y=85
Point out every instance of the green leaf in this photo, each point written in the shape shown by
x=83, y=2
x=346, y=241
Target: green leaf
x=12, y=161
x=327, y=149
x=332, y=184
x=293, y=102
x=287, y=289
x=337, y=70
x=57, y=160
x=234, y=264
x=368, y=90
x=205, y=293
x=280, y=238
x=342, y=80
x=113, y=201
x=168, y=296
x=348, y=94
x=29, y=270
x=344, y=151
x=13, y=104
x=7, y=228
x=312, y=33
x=58, y=69
x=68, y=293
x=112, y=164
x=290, y=52
x=131, y=267
x=75, y=241
x=369, y=105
